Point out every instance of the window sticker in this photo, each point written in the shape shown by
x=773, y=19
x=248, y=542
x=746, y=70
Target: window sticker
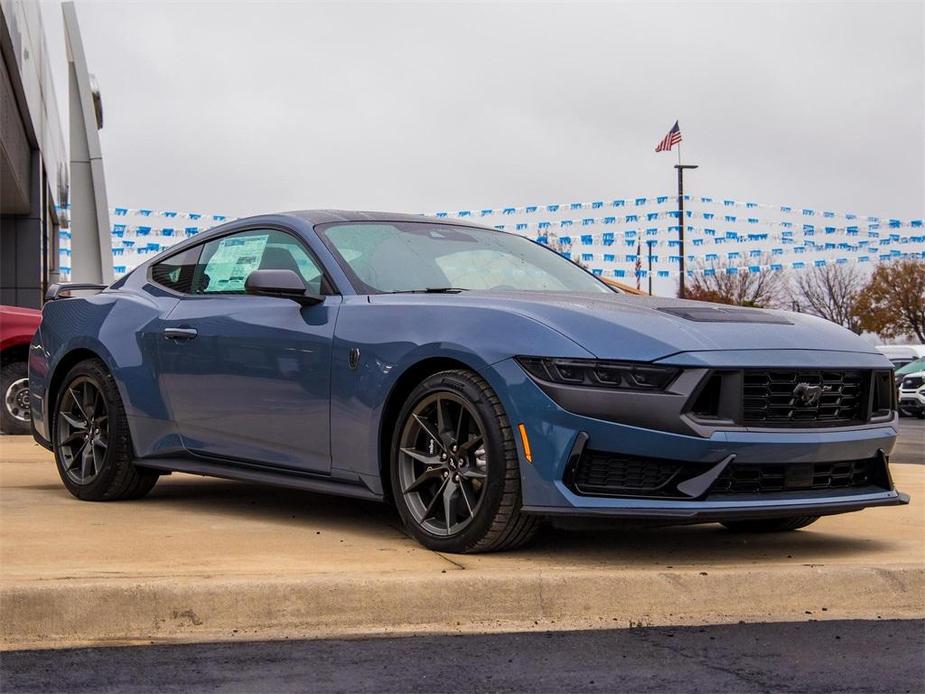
x=235, y=258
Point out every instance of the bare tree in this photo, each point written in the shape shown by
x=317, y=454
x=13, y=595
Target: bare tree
x=831, y=292
x=736, y=284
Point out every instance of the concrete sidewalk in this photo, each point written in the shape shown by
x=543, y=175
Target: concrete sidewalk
x=202, y=560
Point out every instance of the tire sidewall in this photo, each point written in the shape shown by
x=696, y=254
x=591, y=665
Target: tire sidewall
x=96, y=488
x=493, y=490
x=8, y=424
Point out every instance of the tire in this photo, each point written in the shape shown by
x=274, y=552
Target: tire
x=770, y=525
x=110, y=475
x=15, y=415
x=488, y=466
x=920, y=414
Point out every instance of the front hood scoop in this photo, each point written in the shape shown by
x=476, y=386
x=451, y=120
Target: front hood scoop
x=724, y=314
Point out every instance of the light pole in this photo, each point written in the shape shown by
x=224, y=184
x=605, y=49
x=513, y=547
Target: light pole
x=680, y=168
x=650, y=243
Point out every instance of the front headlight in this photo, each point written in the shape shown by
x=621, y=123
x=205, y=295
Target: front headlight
x=599, y=373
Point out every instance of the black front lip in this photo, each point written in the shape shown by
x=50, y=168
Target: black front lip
x=707, y=515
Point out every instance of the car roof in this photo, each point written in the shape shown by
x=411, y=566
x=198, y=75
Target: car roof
x=915, y=364
x=901, y=351
x=326, y=216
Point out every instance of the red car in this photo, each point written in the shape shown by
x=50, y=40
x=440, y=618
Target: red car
x=17, y=326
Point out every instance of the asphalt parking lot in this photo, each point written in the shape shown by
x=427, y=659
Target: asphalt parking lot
x=807, y=657
x=910, y=446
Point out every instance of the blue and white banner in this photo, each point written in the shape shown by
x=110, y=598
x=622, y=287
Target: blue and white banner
x=603, y=235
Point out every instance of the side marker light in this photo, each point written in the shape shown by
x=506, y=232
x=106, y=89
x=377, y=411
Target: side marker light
x=526, y=441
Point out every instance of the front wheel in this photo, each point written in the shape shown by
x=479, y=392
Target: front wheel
x=455, y=470
x=770, y=525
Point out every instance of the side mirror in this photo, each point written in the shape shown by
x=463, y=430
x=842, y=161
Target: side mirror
x=285, y=284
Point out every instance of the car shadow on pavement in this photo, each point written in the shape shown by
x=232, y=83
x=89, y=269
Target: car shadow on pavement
x=673, y=546
x=629, y=543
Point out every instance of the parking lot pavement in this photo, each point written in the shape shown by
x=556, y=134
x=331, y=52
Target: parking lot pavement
x=859, y=656
x=204, y=559
x=910, y=446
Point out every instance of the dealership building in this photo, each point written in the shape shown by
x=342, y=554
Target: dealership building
x=34, y=173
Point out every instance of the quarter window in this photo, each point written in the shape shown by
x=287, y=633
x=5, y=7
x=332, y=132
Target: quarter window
x=177, y=271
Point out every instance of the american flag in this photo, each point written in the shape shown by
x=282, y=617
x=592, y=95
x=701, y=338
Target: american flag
x=670, y=140
x=638, y=265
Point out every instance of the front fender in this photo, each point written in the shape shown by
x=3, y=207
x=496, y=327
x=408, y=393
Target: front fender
x=392, y=340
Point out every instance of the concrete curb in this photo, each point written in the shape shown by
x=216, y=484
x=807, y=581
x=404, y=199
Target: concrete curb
x=66, y=613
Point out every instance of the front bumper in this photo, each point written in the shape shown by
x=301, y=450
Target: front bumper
x=705, y=511
x=553, y=433
x=912, y=401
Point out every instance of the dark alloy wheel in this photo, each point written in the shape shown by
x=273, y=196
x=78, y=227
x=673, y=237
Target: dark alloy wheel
x=16, y=415
x=455, y=469
x=92, y=444
x=83, y=430
x=442, y=466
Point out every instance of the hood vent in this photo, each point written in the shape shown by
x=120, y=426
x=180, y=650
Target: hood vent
x=723, y=314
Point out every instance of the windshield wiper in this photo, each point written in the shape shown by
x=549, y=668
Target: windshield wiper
x=431, y=290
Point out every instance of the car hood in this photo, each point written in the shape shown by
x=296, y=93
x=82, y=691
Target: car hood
x=621, y=326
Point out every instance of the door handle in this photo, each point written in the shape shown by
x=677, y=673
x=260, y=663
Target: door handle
x=180, y=333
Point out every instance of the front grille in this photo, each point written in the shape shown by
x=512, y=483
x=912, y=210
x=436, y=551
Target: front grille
x=804, y=398
x=610, y=474
x=782, y=477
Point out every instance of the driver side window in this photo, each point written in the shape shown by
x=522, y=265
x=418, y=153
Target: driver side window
x=226, y=262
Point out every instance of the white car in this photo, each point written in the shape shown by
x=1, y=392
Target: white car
x=912, y=394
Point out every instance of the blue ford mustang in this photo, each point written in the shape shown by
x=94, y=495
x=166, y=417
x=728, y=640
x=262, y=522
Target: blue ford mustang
x=476, y=379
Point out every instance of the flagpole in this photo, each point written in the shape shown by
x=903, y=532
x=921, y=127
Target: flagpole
x=639, y=265
x=667, y=143
x=681, y=223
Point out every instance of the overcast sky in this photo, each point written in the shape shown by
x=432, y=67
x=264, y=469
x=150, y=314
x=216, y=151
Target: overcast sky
x=241, y=108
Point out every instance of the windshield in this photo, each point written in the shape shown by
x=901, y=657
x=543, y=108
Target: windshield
x=912, y=367
x=422, y=256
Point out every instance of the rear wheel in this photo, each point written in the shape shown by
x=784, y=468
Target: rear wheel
x=16, y=415
x=455, y=469
x=770, y=525
x=92, y=444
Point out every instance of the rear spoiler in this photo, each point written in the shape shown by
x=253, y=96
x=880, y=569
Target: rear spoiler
x=56, y=290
